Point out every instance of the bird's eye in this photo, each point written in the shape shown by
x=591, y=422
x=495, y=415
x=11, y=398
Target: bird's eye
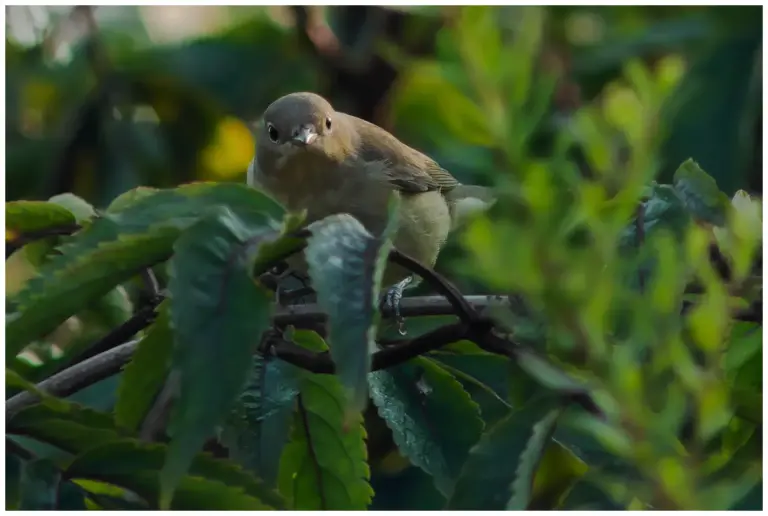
x=328, y=123
x=273, y=134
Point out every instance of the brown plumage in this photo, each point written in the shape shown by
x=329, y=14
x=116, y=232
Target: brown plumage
x=311, y=157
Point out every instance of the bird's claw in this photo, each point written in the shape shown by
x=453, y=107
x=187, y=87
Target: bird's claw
x=391, y=301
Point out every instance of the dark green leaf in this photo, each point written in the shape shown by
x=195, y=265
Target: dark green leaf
x=258, y=428
x=719, y=135
x=144, y=375
x=71, y=497
x=324, y=466
x=13, y=472
x=484, y=377
x=211, y=484
x=219, y=314
x=72, y=428
x=114, y=247
x=39, y=485
x=346, y=264
x=500, y=469
x=433, y=420
x=700, y=194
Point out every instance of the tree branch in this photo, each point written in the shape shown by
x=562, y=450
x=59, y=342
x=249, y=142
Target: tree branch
x=77, y=377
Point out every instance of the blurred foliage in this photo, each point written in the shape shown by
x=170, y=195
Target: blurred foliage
x=624, y=144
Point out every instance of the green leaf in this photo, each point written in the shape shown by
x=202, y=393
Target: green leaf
x=13, y=470
x=39, y=251
x=79, y=207
x=144, y=375
x=25, y=216
x=324, y=465
x=111, y=249
x=258, y=428
x=547, y=374
x=70, y=497
x=211, y=484
x=346, y=264
x=219, y=314
x=39, y=485
x=720, y=135
x=433, y=420
x=700, y=194
x=72, y=428
x=130, y=198
x=484, y=376
x=500, y=470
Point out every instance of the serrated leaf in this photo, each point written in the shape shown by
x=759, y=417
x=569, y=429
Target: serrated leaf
x=50, y=300
x=72, y=428
x=434, y=422
x=39, y=485
x=24, y=216
x=211, y=484
x=700, y=193
x=324, y=466
x=258, y=428
x=484, y=376
x=79, y=207
x=346, y=264
x=500, y=469
x=144, y=375
x=115, y=246
x=219, y=314
x=130, y=198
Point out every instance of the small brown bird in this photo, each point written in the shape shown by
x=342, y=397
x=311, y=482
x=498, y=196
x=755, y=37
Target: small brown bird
x=311, y=157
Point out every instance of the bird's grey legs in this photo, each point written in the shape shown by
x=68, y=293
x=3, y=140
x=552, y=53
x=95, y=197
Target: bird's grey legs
x=391, y=301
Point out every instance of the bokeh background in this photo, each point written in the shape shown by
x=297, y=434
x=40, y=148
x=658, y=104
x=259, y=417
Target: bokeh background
x=102, y=99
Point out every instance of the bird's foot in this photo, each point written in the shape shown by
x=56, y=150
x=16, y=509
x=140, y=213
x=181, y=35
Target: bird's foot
x=391, y=301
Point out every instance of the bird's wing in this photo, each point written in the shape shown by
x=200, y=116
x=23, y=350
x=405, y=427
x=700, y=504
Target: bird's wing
x=406, y=168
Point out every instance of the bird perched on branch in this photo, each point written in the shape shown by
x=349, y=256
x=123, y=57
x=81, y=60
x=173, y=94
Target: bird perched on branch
x=311, y=157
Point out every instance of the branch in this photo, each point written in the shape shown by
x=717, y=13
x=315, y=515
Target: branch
x=462, y=308
x=77, y=377
x=409, y=307
x=140, y=320
x=392, y=355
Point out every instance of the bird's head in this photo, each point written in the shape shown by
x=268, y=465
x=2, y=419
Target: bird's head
x=301, y=124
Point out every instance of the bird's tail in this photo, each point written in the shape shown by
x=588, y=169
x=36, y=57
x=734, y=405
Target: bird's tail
x=466, y=200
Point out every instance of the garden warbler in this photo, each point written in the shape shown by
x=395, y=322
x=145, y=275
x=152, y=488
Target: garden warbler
x=311, y=157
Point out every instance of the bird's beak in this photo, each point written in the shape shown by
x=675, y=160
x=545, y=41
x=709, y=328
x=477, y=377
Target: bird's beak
x=305, y=135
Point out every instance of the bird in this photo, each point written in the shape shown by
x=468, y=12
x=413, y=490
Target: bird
x=311, y=157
